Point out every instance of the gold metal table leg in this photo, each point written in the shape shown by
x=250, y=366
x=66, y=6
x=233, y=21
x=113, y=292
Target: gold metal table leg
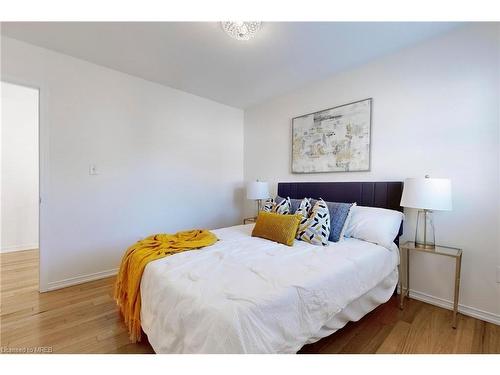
x=458, y=266
x=400, y=283
x=404, y=289
x=408, y=273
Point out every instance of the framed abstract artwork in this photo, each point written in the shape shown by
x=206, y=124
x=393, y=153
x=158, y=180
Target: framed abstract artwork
x=333, y=140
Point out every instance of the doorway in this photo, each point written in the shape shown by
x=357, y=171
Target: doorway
x=19, y=194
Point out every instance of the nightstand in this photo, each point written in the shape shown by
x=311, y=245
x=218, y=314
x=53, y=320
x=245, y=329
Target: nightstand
x=438, y=250
x=249, y=220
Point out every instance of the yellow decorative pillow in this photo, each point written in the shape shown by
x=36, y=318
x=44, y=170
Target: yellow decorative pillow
x=276, y=227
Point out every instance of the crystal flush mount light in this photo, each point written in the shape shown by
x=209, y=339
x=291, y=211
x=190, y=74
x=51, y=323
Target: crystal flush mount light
x=241, y=30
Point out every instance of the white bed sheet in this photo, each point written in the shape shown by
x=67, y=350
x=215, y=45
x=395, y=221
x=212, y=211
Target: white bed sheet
x=251, y=295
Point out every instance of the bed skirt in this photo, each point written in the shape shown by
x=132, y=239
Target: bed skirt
x=359, y=307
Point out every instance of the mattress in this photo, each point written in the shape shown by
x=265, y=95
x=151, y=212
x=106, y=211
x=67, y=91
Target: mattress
x=250, y=295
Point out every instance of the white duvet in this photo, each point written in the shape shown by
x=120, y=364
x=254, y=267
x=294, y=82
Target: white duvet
x=250, y=295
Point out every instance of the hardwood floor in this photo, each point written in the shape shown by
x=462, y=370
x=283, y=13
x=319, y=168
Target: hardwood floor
x=419, y=329
x=85, y=319
x=79, y=319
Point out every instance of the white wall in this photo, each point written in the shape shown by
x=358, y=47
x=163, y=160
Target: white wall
x=167, y=161
x=435, y=111
x=19, y=170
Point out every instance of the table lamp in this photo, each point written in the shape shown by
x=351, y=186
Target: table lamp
x=426, y=194
x=257, y=190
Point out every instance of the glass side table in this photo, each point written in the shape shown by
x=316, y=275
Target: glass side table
x=439, y=250
x=249, y=220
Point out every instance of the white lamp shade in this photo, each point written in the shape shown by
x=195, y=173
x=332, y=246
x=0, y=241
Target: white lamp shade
x=427, y=193
x=257, y=190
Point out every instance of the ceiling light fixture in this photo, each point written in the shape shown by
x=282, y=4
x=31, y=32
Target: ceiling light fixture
x=241, y=30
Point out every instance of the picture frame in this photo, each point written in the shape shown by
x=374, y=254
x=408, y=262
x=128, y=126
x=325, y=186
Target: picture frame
x=337, y=139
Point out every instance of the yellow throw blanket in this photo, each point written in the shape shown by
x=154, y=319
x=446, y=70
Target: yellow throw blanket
x=128, y=282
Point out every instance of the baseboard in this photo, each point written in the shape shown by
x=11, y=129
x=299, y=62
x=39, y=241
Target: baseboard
x=79, y=280
x=11, y=249
x=446, y=304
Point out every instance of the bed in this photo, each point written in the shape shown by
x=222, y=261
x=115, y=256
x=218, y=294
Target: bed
x=250, y=295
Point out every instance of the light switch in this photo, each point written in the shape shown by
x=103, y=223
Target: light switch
x=92, y=170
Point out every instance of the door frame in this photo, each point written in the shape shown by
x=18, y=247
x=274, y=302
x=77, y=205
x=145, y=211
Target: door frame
x=43, y=172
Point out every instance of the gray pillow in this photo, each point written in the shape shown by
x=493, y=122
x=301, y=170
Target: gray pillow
x=338, y=216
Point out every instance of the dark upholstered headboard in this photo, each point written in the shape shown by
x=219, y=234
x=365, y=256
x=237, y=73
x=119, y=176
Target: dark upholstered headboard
x=373, y=194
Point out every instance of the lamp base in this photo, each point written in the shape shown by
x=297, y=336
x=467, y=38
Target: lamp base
x=424, y=234
x=425, y=246
x=259, y=205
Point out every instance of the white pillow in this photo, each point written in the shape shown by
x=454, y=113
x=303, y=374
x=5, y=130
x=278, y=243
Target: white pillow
x=377, y=225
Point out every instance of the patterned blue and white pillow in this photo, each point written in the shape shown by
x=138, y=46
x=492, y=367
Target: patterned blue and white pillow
x=268, y=205
x=295, y=203
x=338, y=216
x=316, y=228
x=304, y=208
x=283, y=207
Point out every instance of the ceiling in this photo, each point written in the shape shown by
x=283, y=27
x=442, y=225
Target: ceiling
x=198, y=57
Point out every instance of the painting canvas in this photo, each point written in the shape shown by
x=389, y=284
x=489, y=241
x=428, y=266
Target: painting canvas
x=333, y=140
